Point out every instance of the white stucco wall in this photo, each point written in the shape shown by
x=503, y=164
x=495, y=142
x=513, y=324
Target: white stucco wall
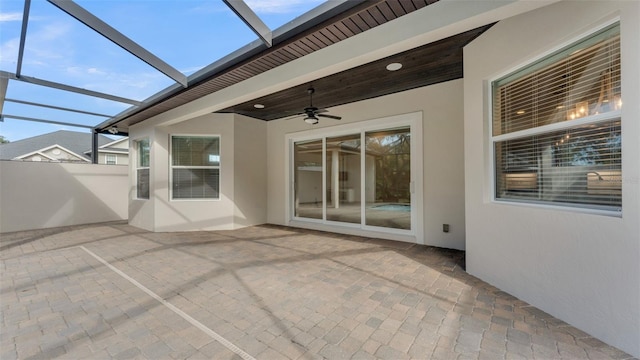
x=579, y=267
x=242, y=167
x=443, y=178
x=250, y=180
x=44, y=195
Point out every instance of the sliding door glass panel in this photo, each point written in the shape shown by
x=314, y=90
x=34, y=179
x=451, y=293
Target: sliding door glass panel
x=308, y=196
x=388, y=178
x=343, y=179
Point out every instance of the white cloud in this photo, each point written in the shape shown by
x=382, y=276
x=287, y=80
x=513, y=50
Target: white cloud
x=42, y=46
x=48, y=43
x=95, y=71
x=9, y=52
x=14, y=16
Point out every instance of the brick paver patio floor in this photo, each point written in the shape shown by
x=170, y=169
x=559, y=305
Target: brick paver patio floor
x=265, y=292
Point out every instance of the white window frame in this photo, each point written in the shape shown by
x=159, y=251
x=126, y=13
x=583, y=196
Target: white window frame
x=138, y=167
x=411, y=120
x=115, y=159
x=586, y=120
x=171, y=166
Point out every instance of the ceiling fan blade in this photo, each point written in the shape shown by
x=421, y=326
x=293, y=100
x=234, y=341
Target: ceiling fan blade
x=292, y=116
x=330, y=116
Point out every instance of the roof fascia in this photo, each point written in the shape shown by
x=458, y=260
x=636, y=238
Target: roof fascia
x=40, y=151
x=22, y=157
x=429, y=24
x=121, y=152
x=114, y=142
x=297, y=26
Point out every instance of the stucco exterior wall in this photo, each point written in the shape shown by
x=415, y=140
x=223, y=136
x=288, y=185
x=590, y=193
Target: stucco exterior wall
x=45, y=195
x=197, y=214
x=580, y=267
x=442, y=155
x=242, y=172
x=250, y=180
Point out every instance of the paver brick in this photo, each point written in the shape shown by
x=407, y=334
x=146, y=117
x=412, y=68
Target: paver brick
x=274, y=292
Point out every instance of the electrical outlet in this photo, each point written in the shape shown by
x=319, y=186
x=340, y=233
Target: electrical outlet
x=445, y=228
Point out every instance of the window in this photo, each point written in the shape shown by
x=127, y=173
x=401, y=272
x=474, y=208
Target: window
x=556, y=127
x=111, y=159
x=195, y=167
x=142, y=169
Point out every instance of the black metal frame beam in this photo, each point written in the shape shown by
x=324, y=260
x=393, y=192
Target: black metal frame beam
x=253, y=21
x=106, y=30
x=23, y=35
x=59, y=86
x=55, y=107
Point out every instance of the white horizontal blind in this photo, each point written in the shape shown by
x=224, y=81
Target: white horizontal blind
x=556, y=127
x=142, y=169
x=195, y=167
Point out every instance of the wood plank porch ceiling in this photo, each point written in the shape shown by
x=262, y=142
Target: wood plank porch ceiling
x=437, y=62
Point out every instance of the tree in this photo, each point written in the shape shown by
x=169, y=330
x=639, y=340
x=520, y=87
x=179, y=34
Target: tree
x=4, y=140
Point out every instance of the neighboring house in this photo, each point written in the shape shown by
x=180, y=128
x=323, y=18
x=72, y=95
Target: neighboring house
x=66, y=146
x=552, y=231
x=115, y=152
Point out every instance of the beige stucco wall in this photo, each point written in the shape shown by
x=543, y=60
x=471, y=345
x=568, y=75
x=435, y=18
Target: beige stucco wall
x=442, y=156
x=242, y=187
x=250, y=180
x=45, y=195
x=582, y=268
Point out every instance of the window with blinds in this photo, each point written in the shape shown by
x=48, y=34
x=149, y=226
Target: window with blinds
x=195, y=167
x=556, y=127
x=111, y=159
x=142, y=169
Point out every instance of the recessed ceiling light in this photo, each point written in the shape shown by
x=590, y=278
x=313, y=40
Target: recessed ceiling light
x=520, y=112
x=258, y=106
x=394, y=66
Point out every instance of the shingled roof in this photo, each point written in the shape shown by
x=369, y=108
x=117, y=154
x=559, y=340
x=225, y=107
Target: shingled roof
x=77, y=142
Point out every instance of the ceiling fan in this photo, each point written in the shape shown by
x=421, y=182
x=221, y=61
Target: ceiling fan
x=312, y=113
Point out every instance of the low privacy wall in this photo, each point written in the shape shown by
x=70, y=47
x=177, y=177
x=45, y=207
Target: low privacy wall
x=44, y=195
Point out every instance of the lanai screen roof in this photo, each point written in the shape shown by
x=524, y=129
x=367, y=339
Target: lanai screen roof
x=86, y=62
x=106, y=65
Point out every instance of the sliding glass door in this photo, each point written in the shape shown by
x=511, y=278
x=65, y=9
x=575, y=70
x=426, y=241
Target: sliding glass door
x=388, y=178
x=308, y=199
x=361, y=178
x=342, y=171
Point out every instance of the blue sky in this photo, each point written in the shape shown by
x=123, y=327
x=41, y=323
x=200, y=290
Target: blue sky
x=187, y=34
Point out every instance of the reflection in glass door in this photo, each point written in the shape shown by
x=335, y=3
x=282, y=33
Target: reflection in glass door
x=343, y=179
x=388, y=178
x=307, y=157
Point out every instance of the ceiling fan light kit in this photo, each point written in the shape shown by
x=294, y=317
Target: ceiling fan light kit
x=312, y=113
x=311, y=120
